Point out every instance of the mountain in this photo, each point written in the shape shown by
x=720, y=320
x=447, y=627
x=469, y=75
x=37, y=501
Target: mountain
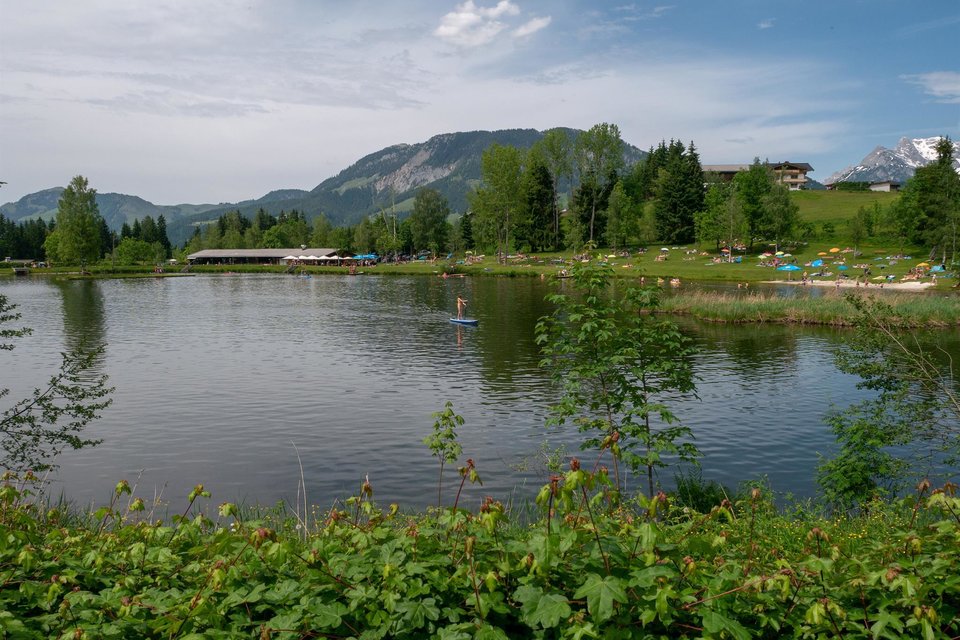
x=897, y=164
x=116, y=209
x=389, y=178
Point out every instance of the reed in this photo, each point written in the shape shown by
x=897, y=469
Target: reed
x=831, y=309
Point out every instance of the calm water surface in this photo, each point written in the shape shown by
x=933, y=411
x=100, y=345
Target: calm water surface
x=224, y=379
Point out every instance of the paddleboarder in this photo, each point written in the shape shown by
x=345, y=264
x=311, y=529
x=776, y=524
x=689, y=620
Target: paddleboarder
x=461, y=303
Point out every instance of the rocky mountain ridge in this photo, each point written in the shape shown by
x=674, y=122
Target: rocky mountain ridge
x=386, y=179
x=897, y=164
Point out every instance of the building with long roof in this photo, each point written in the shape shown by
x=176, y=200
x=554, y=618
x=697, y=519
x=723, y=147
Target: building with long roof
x=299, y=255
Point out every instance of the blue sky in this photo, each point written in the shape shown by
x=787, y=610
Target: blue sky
x=224, y=100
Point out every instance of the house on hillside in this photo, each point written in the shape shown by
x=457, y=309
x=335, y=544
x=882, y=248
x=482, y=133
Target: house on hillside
x=792, y=174
x=886, y=185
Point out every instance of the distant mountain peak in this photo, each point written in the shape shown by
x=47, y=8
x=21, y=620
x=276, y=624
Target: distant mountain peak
x=897, y=164
x=385, y=179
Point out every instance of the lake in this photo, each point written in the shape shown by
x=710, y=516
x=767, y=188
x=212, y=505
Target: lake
x=235, y=381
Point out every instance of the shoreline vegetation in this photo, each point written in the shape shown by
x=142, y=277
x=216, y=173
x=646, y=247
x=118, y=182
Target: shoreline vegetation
x=580, y=565
x=922, y=303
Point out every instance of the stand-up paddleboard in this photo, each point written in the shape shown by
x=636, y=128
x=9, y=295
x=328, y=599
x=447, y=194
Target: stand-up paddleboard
x=470, y=321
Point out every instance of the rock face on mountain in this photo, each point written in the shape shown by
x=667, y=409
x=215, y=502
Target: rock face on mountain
x=897, y=164
x=389, y=178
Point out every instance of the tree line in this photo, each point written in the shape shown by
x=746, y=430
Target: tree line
x=565, y=192
x=80, y=235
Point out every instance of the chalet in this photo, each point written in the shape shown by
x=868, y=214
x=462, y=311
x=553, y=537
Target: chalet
x=792, y=174
x=886, y=185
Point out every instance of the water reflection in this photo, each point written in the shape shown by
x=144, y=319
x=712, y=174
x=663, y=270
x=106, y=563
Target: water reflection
x=218, y=377
x=84, y=326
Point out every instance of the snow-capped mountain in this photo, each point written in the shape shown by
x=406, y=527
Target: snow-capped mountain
x=897, y=164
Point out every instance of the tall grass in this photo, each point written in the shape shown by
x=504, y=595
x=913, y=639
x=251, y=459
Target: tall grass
x=831, y=309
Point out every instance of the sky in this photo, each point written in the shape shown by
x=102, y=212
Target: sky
x=187, y=101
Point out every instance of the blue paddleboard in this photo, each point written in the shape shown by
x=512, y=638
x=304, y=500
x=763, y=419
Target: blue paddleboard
x=470, y=321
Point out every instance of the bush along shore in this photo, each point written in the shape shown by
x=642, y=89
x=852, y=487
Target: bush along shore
x=588, y=566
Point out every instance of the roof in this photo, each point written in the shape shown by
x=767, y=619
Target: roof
x=733, y=168
x=794, y=165
x=724, y=168
x=260, y=253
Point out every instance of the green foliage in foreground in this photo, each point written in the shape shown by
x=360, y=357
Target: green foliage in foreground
x=589, y=570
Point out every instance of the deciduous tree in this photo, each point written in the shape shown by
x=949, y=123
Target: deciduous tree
x=557, y=149
x=78, y=224
x=599, y=154
x=497, y=201
x=618, y=364
x=752, y=187
x=428, y=222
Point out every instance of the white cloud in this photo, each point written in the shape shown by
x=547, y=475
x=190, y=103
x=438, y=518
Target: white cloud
x=943, y=85
x=470, y=25
x=633, y=13
x=532, y=26
x=766, y=24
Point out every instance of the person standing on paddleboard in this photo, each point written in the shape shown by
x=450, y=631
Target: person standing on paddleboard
x=461, y=303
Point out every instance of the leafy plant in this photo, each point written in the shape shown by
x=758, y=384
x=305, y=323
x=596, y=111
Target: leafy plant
x=616, y=363
x=35, y=429
x=913, y=419
x=443, y=442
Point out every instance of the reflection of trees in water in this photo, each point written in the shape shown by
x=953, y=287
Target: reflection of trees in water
x=750, y=350
x=84, y=325
x=510, y=309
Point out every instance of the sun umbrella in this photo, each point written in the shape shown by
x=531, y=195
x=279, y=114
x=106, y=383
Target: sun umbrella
x=923, y=264
x=822, y=253
x=816, y=263
x=779, y=253
x=843, y=267
x=789, y=267
x=835, y=250
x=290, y=258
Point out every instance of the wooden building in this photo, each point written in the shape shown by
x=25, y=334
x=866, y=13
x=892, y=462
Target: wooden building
x=792, y=174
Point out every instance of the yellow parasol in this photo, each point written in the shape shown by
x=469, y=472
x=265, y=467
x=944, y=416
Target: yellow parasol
x=835, y=250
x=923, y=264
x=822, y=253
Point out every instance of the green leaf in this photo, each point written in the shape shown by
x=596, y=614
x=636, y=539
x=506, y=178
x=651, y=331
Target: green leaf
x=601, y=593
x=417, y=613
x=713, y=622
x=486, y=632
x=323, y=615
x=886, y=619
x=551, y=609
